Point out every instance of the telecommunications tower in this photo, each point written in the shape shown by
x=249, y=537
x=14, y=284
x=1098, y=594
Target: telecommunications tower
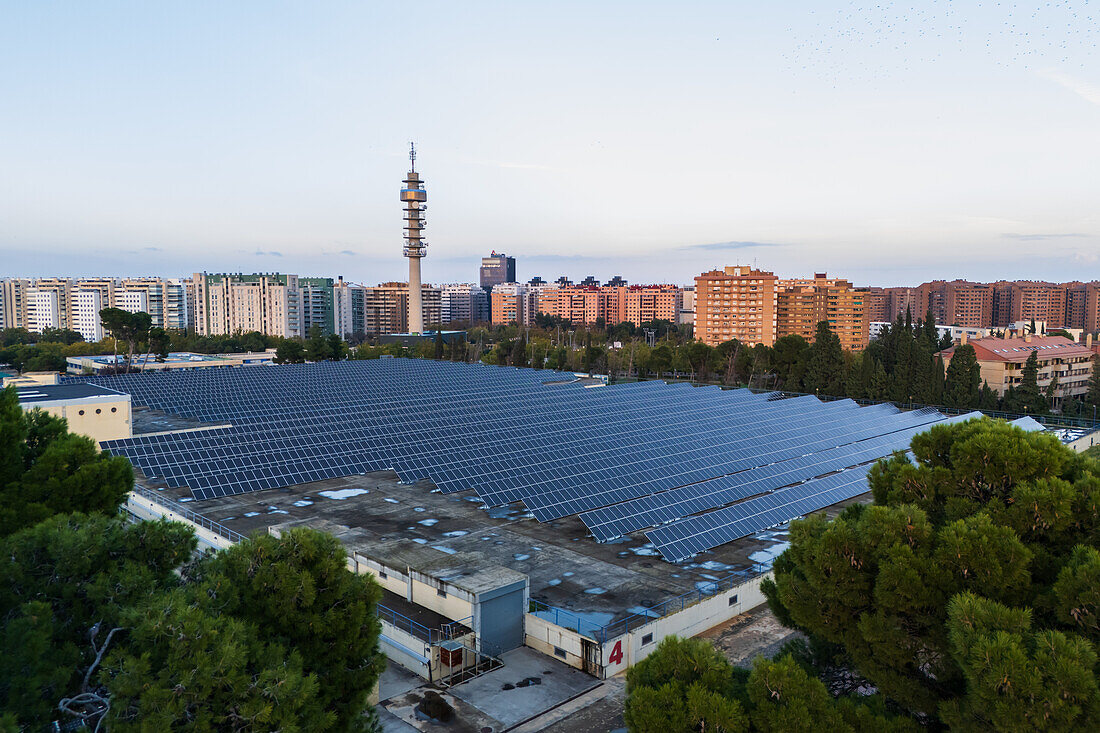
x=414, y=196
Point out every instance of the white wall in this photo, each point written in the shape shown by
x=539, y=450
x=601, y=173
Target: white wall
x=625, y=651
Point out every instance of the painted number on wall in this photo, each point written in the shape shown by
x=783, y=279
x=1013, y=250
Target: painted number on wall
x=616, y=656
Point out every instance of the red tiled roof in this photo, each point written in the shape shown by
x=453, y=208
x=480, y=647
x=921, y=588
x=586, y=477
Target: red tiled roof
x=1018, y=349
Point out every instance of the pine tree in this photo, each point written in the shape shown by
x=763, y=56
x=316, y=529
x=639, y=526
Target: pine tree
x=825, y=363
x=962, y=385
x=928, y=590
x=1028, y=393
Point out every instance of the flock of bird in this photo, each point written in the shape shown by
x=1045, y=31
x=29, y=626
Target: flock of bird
x=872, y=41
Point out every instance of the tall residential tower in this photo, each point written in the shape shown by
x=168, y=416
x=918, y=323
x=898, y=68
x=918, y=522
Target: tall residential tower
x=414, y=196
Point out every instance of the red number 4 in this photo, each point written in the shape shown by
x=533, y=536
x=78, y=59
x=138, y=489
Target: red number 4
x=616, y=656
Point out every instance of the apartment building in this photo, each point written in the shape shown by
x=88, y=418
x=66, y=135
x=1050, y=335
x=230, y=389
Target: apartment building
x=1001, y=361
x=463, y=302
x=44, y=309
x=874, y=304
x=54, y=309
x=226, y=304
x=86, y=305
x=386, y=308
x=802, y=303
x=349, y=309
x=169, y=302
x=13, y=302
x=738, y=302
x=132, y=301
x=1025, y=300
x=317, y=304
x=508, y=303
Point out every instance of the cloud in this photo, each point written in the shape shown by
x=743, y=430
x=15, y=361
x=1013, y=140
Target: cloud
x=152, y=249
x=731, y=245
x=273, y=253
x=1086, y=90
x=348, y=252
x=1040, y=237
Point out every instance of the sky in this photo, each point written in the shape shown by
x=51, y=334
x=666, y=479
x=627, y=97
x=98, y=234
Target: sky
x=889, y=143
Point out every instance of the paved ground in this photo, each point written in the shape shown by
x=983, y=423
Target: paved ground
x=396, y=680
x=598, y=711
x=484, y=704
x=556, y=682
x=744, y=637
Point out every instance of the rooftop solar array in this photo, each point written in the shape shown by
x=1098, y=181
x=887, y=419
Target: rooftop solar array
x=624, y=457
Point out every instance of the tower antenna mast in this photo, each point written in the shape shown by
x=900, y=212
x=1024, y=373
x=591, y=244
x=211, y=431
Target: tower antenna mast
x=414, y=196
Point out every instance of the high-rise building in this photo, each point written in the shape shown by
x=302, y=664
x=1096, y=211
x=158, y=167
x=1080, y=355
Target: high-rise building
x=86, y=305
x=507, y=303
x=874, y=303
x=132, y=301
x=463, y=303
x=13, y=302
x=386, y=308
x=497, y=269
x=61, y=287
x=44, y=309
x=318, y=307
x=736, y=303
x=226, y=304
x=167, y=301
x=803, y=303
x=414, y=197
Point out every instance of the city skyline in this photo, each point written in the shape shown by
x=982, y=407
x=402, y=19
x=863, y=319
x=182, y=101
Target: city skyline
x=891, y=145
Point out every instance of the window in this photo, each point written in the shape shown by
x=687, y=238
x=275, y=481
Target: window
x=98, y=411
x=441, y=593
x=647, y=639
x=733, y=600
x=559, y=652
x=81, y=412
x=114, y=409
x=382, y=574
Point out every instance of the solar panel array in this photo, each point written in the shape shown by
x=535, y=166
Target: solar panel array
x=624, y=457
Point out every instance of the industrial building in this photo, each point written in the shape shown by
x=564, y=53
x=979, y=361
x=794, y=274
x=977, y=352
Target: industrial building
x=505, y=509
x=98, y=412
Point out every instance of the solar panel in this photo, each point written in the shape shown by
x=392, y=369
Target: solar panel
x=645, y=452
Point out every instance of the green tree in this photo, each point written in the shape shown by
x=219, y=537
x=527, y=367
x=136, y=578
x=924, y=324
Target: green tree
x=962, y=387
x=129, y=327
x=987, y=511
x=59, y=582
x=660, y=359
x=686, y=686
x=45, y=470
x=824, y=373
x=280, y=632
x=1028, y=394
x=317, y=346
x=1092, y=397
x=289, y=351
x=337, y=347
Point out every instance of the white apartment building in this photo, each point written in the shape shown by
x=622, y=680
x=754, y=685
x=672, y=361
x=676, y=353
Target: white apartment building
x=86, y=305
x=43, y=309
x=132, y=301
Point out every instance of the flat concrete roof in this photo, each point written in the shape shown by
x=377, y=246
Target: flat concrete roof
x=375, y=513
x=67, y=393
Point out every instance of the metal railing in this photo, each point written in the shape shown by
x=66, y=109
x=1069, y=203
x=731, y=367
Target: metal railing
x=190, y=516
x=446, y=632
x=601, y=633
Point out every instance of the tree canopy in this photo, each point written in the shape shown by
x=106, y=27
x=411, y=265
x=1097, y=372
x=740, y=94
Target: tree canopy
x=102, y=618
x=966, y=594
